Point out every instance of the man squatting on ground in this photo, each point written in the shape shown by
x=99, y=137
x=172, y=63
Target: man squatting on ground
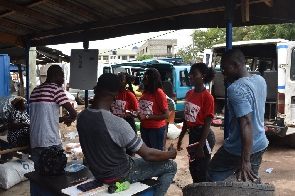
x=105, y=137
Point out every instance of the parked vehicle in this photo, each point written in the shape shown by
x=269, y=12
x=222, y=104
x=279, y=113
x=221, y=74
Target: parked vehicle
x=275, y=60
x=80, y=96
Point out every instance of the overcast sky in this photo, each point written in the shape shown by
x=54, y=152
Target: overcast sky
x=183, y=39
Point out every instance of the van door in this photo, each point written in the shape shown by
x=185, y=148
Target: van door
x=289, y=87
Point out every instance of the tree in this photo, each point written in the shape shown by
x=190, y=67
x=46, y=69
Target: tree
x=186, y=53
x=142, y=57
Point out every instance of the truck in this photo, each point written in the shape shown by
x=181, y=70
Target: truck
x=273, y=59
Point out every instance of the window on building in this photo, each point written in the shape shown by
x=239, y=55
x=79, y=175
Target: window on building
x=146, y=49
x=124, y=57
x=105, y=58
x=169, y=49
x=132, y=56
x=99, y=57
x=119, y=57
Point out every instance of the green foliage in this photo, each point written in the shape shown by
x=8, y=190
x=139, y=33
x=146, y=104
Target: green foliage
x=186, y=53
x=143, y=57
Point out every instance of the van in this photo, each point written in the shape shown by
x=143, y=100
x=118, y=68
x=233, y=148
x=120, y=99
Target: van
x=174, y=79
x=274, y=59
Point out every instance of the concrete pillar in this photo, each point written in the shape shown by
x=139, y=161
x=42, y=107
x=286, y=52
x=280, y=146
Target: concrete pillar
x=32, y=63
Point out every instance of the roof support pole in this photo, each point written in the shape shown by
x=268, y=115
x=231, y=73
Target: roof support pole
x=28, y=41
x=229, y=17
x=86, y=46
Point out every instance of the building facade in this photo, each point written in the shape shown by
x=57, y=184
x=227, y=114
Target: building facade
x=158, y=48
x=108, y=56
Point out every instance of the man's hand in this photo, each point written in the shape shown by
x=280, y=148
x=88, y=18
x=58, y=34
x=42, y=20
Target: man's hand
x=173, y=150
x=244, y=172
x=69, y=121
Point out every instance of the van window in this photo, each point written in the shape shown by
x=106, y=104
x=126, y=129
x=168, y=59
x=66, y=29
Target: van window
x=292, y=70
x=182, y=79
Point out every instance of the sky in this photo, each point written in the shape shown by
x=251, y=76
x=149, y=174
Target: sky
x=183, y=39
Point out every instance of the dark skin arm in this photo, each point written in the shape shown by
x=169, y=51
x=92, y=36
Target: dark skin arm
x=163, y=116
x=15, y=125
x=244, y=171
x=181, y=135
x=154, y=155
x=72, y=113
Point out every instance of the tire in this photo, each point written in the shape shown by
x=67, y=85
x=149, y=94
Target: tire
x=229, y=187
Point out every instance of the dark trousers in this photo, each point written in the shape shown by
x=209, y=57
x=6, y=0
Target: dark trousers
x=198, y=167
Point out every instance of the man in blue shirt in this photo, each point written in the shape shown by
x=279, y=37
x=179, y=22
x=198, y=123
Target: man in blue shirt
x=242, y=151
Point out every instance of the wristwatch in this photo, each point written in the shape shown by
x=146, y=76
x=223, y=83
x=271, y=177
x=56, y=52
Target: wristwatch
x=147, y=116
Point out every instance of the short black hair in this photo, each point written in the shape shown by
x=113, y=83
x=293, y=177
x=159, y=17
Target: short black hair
x=234, y=55
x=52, y=70
x=108, y=82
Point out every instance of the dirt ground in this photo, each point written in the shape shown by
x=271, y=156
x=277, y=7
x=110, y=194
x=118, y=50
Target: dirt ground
x=278, y=156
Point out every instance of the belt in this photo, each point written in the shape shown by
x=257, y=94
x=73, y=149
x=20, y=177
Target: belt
x=196, y=127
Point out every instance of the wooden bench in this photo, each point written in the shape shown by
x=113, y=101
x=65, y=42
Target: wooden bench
x=4, y=143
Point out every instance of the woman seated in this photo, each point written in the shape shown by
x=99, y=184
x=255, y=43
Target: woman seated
x=19, y=125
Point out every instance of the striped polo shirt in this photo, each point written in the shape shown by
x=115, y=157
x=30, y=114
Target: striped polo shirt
x=45, y=100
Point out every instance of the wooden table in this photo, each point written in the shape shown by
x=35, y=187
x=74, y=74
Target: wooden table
x=52, y=185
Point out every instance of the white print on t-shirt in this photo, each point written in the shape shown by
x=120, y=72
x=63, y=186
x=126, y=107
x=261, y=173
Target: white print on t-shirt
x=146, y=107
x=191, y=111
x=118, y=107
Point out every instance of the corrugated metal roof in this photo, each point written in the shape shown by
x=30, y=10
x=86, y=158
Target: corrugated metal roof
x=50, y=22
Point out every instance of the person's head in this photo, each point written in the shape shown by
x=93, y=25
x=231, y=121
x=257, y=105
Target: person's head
x=107, y=86
x=55, y=75
x=201, y=74
x=152, y=80
x=19, y=103
x=232, y=64
x=122, y=77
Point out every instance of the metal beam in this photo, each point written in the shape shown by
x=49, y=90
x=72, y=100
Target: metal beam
x=79, y=9
x=245, y=10
x=32, y=13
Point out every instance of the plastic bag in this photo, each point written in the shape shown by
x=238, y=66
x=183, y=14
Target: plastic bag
x=71, y=146
x=74, y=167
x=77, y=153
x=173, y=131
x=52, y=161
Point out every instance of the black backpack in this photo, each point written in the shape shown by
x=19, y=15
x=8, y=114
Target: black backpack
x=52, y=161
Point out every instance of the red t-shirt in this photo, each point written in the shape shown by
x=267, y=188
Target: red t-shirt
x=197, y=106
x=153, y=104
x=125, y=101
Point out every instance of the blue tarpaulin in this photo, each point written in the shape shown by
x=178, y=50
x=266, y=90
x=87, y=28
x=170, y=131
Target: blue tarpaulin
x=15, y=68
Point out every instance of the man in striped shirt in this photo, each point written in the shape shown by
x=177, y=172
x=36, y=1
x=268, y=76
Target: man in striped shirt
x=45, y=101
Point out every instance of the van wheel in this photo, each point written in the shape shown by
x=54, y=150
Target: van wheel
x=292, y=140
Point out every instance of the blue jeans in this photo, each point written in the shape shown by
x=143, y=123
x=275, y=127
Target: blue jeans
x=36, y=152
x=223, y=164
x=141, y=170
x=153, y=138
